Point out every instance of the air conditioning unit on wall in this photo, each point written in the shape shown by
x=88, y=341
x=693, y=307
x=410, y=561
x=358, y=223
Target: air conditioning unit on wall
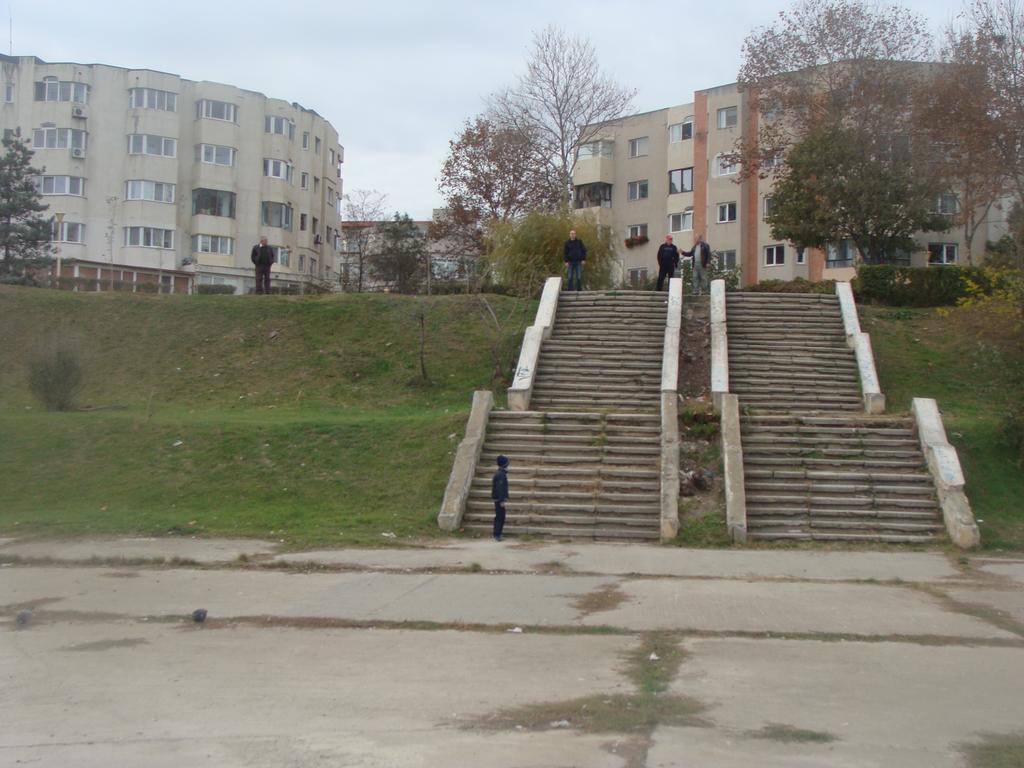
x=78, y=112
x=78, y=153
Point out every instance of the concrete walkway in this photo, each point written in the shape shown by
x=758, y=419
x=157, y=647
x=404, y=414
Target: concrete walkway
x=409, y=657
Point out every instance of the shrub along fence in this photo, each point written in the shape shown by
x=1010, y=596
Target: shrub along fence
x=918, y=286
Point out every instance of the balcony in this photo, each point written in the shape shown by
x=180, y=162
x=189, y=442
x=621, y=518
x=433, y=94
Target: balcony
x=594, y=195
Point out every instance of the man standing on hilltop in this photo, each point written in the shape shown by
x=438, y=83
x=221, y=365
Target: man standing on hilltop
x=701, y=255
x=575, y=253
x=263, y=257
x=668, y=260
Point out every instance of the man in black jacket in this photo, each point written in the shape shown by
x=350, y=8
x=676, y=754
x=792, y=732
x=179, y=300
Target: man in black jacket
x=668, y=260
x=263, y=257
x=575, y=253
x=499, y=495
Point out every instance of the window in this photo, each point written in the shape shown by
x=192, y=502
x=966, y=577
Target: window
x=302, y=262
x=216, y=110
x=945, y=204
x=680, y=131
x=70, y=232
x=304, y=180
x=331, y=199
x=49, y=89
x=141, y=189
x=282, y=255
x=728, y=117
x=330, y=155
x=9, y=93
x=277, y=169
x=801, y=256
x=213, y=202
x=680, y=180
x=276, y=215
x=768, y=206
x=316, y=144
x=49, y=137
x=149, y=237
x=774, y=255
x=60, y=185
x=942, y=253
x=279, y=125
x=726, y=212
x=316, y=185
x=637, y=277
x=681, y=222
x=150, y=98
x=214, y=154
x=638, y=190
x=147, y=144
x=316, y=229
x=638, y=230
x=213, y=244
x=638, y=147
x=595, y=149
x=840, y=254
x=302, y=222
x=727, y=259
x=305, y=139
x=771, y=162
x=723, y=166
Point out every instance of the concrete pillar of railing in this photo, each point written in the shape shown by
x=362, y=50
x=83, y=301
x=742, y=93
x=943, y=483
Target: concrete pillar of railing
x=848, y=309
x=719, y=344
x=871, y=391
x=670, y=412
x=732, y=459
x=526, y=370
x=453, y=507
x=944, y=465
x=548, y=305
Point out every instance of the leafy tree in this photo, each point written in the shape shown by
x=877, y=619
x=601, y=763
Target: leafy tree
x=523, y=252
x=560, y=103
x=834, y=186
x=977, y=102
x=362, y=206
x=400, y=255
x=24, y=235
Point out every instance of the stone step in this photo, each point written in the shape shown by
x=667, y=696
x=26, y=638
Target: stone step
x=520, y=482
x=596, y=533
x=527, y=506
x=796, y=511
x=603, y=474
x=852, y=476
x=555, y=417
x=875, y=489
x=560, y=496
x=832, y=536
x=813, y=442
x=858, y=526
x=766, y=500
x=590, y=403
x=910, y=461
x=789, y=429
x=583, y=460
x=758, y=297
x=831, y=420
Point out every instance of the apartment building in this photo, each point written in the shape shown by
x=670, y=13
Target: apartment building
x=156, y=176
x=665, y=172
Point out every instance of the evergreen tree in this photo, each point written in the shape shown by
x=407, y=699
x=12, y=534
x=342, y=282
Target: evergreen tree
x=400, y=259
x=24, y=234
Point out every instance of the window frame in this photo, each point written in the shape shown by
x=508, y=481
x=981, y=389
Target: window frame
x=205, y=109
x=729, y=207
x=685, y=217
x=146, y=138
x=640, y=146
x=776, y=253
x=148, y=185
x=639, y=186
x=68, y=182
x=946, y=248
x=685, y=131
x=728, y=117
x=214, y=149
x=637, y=230
x=154, y=95
x=684, y=174
x=286, y=215
x=219, y=240
x=224, y=200
x=149, y=233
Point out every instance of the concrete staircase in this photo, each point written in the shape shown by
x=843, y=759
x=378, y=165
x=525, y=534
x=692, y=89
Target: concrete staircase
x=572, y=475
x=604, y=353
x=585, y=458
x=815, y=466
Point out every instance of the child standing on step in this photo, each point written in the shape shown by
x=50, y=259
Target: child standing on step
x=499, y=494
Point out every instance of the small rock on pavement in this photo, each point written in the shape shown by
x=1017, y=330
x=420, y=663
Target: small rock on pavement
x=516, y=630
x=23, y=618
x=560, y=724
x=199, y=615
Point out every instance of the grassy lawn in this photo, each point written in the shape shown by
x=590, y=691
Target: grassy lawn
x=302, y=419
x=974, y=368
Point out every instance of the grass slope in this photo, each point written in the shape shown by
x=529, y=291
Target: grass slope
x=974, y=368
x=304, y=419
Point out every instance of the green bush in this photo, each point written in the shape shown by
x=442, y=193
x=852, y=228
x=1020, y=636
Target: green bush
x=797, y=285
x=55, y=377
x=1011, y=431
x=221, y=288
x=917, y=286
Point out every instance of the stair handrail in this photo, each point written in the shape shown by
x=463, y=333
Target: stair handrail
x=521, y=391
x=944, y=465
x=732, y=464
x=670, y=411
x=719, y=345
x=871, y=390
x=467, y=456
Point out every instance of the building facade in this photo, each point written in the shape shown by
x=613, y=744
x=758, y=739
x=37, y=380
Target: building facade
x=665, y=172
x=159, y=173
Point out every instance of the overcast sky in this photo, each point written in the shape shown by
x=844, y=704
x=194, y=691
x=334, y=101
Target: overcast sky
x=397, y=79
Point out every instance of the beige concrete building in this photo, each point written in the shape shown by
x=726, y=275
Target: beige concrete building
x=161, y=173
x=664, y=172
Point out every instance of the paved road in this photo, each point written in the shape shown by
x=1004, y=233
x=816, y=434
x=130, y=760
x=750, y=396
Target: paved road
x=410, y=657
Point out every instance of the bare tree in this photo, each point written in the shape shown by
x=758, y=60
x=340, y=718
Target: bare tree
x=364, y=209
x=830, y=64
x=560, y=102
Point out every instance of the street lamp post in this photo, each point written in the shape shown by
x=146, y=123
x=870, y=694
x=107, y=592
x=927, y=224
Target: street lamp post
x=60, y=233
